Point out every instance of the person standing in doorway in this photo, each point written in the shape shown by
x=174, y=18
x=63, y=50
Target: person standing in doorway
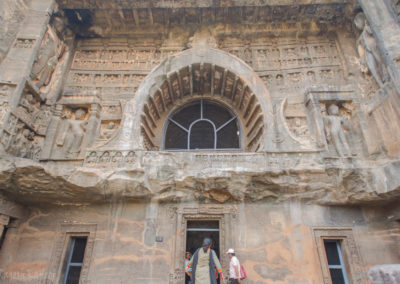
x=234, y=267
x=187, y=259
x=203, y=265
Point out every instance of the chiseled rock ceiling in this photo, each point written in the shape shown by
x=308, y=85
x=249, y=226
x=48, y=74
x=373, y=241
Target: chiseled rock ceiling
x=122, y=17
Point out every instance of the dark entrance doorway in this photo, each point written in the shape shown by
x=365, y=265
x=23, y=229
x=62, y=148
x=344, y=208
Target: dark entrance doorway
x=197, y=231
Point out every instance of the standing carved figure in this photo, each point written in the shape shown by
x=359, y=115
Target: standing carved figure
x=368, y=51
x=50, y=52
x=334, y=131
x=71, y=136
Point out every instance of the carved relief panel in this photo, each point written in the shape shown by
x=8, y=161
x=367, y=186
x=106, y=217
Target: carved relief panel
x=111, y=115
x=73, y=128
x=335, y=122
x=25, y=126
x=114, y=72
x=52, y=56
x=290, y=64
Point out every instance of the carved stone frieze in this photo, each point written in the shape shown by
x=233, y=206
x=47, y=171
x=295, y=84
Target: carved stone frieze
x=117, y=84
x=384, y=274
x=112, y=73
x=282, y=56
x=111, y=158
x=274, y=162
x=24, y=43
x=112, y=59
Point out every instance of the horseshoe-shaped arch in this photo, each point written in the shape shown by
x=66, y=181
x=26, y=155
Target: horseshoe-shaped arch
x=192, y=74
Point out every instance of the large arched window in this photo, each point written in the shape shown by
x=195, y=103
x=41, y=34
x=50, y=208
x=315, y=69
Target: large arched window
x=202, y=124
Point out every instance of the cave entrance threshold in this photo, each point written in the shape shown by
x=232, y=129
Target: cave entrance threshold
x=197, y=230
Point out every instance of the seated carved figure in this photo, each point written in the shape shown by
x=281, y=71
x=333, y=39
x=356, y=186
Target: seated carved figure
x=334, y=131
x=109, y=131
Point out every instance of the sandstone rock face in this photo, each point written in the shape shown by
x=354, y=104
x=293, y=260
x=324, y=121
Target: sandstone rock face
x=276, y=126
x=12, y=14
x=216, y=177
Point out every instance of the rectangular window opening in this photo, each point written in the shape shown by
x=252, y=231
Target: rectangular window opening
x=75, y=259
x=335, y=261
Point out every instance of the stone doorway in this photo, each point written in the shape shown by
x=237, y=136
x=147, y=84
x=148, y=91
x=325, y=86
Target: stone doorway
x=188, y=218
x=197, y=230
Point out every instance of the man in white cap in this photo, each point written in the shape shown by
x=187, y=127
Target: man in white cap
x=234, y=267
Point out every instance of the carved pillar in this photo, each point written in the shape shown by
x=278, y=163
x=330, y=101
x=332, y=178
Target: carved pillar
x=51, y=133
x=316, y=121
x=368, y=131
x=385, y=28
x=4, y=220
x=151, y=223
x=92, y=128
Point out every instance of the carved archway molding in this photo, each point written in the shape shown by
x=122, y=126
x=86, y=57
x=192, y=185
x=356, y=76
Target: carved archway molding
x=198, y=72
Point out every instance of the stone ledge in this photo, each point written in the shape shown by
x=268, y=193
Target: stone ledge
x=170, y=177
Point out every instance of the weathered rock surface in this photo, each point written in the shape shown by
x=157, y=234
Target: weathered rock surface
x=221, y=178
x=12, y=13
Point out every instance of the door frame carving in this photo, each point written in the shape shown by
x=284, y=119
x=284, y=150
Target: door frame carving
x=225, y=214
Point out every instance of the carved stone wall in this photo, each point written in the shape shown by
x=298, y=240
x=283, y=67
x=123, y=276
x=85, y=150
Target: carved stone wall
x=12, y=14
x=87, y=86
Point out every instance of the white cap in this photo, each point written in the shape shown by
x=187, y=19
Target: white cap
x=231, y=250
